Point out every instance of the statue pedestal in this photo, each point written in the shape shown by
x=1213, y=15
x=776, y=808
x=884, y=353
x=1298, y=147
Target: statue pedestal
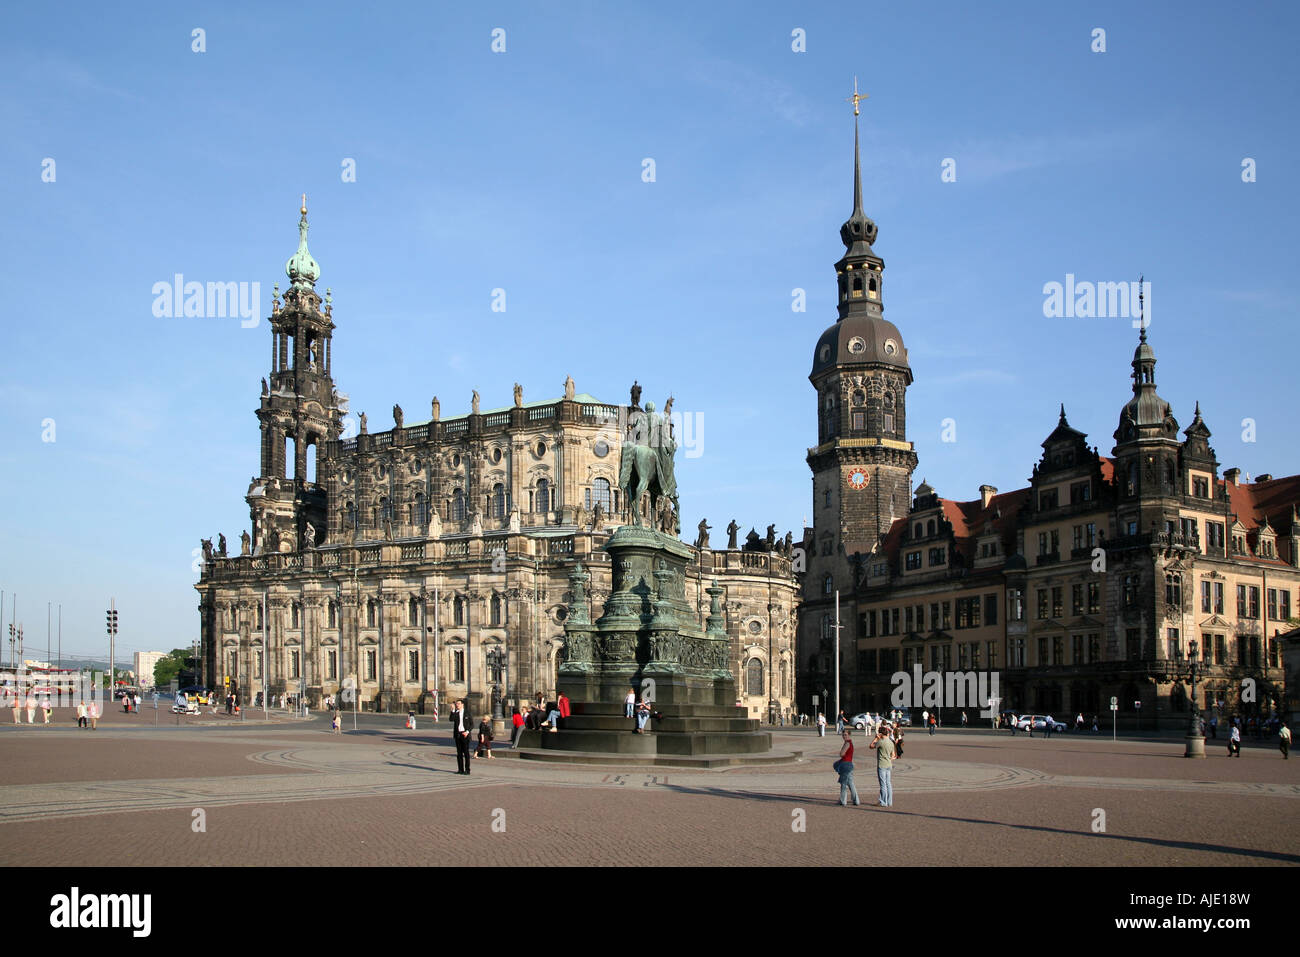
x=647, y=641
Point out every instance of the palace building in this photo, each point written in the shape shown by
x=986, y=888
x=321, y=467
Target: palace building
x=431, y=561
x=1093, y=582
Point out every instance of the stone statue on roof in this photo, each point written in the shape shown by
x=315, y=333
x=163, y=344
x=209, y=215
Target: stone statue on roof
x=569, y=389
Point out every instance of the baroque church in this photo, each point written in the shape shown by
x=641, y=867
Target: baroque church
x=431, y=561
x=1101, y=579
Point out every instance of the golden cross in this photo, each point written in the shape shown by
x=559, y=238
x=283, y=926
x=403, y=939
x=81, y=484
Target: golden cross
x=856, y=97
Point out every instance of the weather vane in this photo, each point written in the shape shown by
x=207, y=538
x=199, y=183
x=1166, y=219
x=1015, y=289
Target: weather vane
x=856, y=97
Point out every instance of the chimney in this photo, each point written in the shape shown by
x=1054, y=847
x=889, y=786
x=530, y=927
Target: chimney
x=1230, y=475
x=1266, y=477
x=986, y=494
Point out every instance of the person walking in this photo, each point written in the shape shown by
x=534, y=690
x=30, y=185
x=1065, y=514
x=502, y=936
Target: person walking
x=1234, y=741
x=31, y=709
x=934, y=722
x=336, y=724
x=1047, y=725
x=885, y=751
x=821, y=725
x=1284, y=741
x=460, y=725
x=81, y=715
x=94, y=715
x=963, y=719
x=18, y=709
x=516, y=725
x=844, y=768
x=45, y=708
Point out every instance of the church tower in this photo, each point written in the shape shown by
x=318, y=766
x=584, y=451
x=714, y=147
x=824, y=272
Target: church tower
x=299, y=410
x=862, y=464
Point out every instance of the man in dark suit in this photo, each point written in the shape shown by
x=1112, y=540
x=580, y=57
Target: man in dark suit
x=461, y=723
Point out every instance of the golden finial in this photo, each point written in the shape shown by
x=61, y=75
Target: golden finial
x=856, y=97
x=304, y=204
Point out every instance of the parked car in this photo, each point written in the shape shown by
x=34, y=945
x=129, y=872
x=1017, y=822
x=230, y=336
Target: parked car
x=1039, y=723
x=196, y=694
x=864, y=720
x=902, y=716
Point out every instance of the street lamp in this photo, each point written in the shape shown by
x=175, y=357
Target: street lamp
x=1195, y=734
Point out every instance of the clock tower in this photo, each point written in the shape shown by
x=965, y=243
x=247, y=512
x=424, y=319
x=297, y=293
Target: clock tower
x=862, y=464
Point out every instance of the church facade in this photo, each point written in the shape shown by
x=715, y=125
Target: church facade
x=1099, y=580
x=432, y=561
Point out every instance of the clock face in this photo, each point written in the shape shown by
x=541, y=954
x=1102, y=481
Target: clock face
x=858, y=479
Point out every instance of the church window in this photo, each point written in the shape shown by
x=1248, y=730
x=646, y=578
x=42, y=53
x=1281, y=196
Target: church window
x=754, y=677
x=542, y=500
x=385, y=510
x=370, y=664
x=497, y=501
x=600, y=494
x=372, y=613
x=294, y=664
x=413, y=611
x=333, y=612
x=497, y=611
x=412, y=665
x=295, y=615
x=458, y=505
x=458, y=612
x=420, y=510
x=350, y=515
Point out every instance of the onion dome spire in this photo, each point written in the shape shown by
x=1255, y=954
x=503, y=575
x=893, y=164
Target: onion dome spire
x=859, y=231
x=301, y=268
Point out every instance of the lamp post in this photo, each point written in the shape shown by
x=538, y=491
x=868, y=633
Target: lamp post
x=1195, y=734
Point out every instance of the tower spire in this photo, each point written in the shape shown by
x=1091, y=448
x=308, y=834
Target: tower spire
x=301, y=269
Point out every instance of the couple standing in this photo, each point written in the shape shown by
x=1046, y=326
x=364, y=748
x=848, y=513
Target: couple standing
x=883, y=745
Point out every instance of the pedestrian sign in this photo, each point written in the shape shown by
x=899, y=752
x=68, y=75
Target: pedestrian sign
x=1114, y=702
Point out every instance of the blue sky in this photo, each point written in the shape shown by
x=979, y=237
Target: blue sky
x=522, y=171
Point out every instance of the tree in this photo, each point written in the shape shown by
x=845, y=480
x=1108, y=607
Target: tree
x=165, y=671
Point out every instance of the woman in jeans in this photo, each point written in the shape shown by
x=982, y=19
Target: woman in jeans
x=845, y=768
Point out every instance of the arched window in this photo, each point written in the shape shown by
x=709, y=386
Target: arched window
x=498, y=611
x=457, y=505
x=785, y=678
x=600, y=494
x=542, y=501
x=372, y=613
x=385, y=510
x=295, y=615
x=261, y=622
x=420, y=510
x=872, y=290
x=458, y=612
x=497, y=501
x=754, y=677
x=234, y=618
x=350, y=515
x=413, y=611
x=333, y=614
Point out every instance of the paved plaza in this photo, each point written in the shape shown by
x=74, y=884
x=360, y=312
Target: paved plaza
x=289, y=792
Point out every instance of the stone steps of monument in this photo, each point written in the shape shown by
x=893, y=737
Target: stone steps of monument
x=685, y=710
x=673, y=723
x=647, y=743
x=702, y=761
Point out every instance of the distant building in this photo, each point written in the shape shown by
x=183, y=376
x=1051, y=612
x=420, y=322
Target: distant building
x=1091, y=583
x=144, y=665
